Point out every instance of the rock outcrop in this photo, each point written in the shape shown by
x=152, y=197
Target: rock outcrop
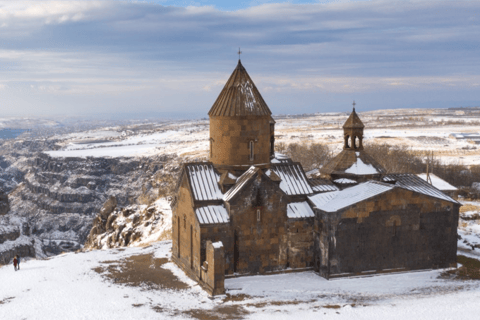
x=133, y=225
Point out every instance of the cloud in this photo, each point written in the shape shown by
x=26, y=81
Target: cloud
x=106, y=49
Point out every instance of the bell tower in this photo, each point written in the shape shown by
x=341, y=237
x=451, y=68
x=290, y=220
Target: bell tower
x=353, y=132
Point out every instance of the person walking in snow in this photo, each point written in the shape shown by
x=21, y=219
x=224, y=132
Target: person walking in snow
x=15, y=263
x=18, y=262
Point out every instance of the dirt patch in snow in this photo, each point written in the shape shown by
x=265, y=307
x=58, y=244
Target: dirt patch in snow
x=6, y=300
x=141, y=271
x=219, y=313
x=470, y=269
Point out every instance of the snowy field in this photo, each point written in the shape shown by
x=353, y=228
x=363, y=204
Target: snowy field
x=140, y=283
x=445, y=132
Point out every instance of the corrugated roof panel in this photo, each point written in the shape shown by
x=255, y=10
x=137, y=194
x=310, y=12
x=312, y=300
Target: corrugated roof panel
x=204, y=182
x=413, y=183
x=212, y=215
x=322, y=185
x=334, y=201
x=438, y=182
x=241, y=181
x=294, y=181
x=297, y=210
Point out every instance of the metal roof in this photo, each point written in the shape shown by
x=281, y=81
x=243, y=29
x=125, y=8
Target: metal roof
x=212, y=214
x=239, y=97
x=334, y=201
x=241, y=182
x=296, y=210
x=294, y=181
x=413, y=183
x=353, y=162
x=204, y=181
x=322, y=185
x=438, y=182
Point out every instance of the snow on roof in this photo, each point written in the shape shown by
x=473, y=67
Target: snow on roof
x=345, y=181
x=241, y=182
x=319, y=200
x=212, y=214
x=312, y=172
x=413, y=183
x=437, y=182
x=294, y=181
x=297, y=210
x=204, y=182
x=322, y=185
x=361, y=168
x=334, y=201
x=281, y=158
x=218, y=244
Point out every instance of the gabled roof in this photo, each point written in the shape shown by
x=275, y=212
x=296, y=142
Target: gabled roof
x=294, y=181
x=239, y=97
x=322, y=185
x=353, y=162
x=298, y=210
x=241, y=182
x=203, y=180
x=353, y=121
x=336, y=200
x=413, y=183
x=212, y=214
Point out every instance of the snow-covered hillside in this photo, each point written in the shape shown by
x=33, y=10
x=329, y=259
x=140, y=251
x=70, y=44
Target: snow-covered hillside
x=141, y=283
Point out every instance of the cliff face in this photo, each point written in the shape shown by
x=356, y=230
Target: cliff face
x=4, y=205
x=58, y=198
x=134, y=225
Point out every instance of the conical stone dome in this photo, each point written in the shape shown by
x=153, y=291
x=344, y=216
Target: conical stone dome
x=239, y=97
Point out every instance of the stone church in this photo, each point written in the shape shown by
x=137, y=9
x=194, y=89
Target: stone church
x=248, y=211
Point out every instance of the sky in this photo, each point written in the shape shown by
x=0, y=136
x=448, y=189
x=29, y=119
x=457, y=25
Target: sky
x=135, y=59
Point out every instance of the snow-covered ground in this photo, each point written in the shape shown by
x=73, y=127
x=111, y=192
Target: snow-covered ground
x=437, y=130
x=139, y=283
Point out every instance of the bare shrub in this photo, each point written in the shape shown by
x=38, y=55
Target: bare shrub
x=309, y=155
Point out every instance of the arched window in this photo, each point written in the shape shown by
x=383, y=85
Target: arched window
x=258, y=215
x=251, y=146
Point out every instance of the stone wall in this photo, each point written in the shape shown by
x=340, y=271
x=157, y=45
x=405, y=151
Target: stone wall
x=186, y=233
x=259, y=246
x=300, y=243
x=397, y=230
x=213, y=269
x=215, y=233
x=230, y=137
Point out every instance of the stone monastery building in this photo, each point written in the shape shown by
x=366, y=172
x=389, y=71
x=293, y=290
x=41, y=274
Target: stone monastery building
x=247, y=211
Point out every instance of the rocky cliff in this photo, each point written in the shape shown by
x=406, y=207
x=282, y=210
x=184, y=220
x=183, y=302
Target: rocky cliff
x=134, y=225
x=4, y=205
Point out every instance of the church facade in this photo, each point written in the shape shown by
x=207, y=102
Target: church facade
x=248, y=211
